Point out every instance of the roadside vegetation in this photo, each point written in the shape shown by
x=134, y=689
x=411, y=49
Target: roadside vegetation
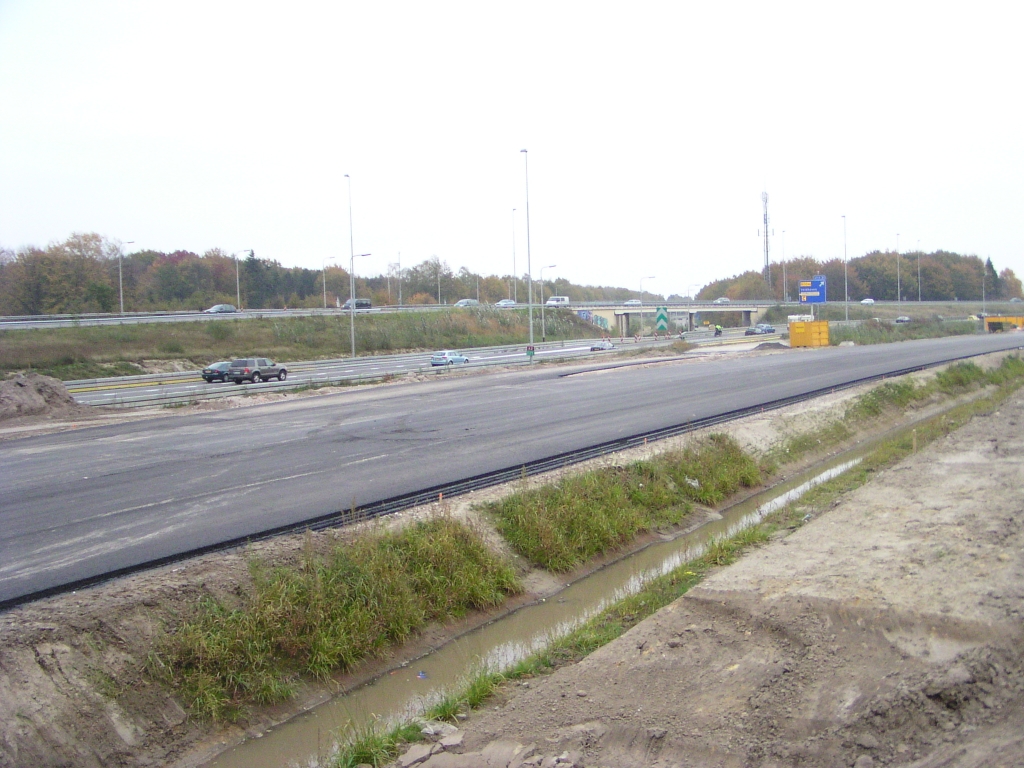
x=328, y=612
x=102, y=351
x=892, y=397
x=334, y=606
x=377, y=746
x=562, y=526
x=882, y=331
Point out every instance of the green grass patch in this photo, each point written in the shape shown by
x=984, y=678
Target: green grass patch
x=327, y=613
x=54, y=350
x=562, y=526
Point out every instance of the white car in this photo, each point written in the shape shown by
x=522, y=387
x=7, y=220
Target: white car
x=632, y=303
x=721, y=300
x=505, y=303
x=448, y=357
x=867, y=301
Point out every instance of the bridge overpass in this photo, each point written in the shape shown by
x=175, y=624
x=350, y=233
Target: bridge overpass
x=616, y=318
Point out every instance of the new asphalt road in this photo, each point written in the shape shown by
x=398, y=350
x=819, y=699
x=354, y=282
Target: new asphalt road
x=84, y=503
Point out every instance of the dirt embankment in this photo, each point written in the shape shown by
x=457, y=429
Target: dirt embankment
x=73, y=688
x=37, y=396
x=886, y=631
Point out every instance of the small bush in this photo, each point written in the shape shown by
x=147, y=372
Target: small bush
x=961, y=377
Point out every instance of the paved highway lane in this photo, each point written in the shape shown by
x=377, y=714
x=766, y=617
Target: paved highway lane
x=83, y=503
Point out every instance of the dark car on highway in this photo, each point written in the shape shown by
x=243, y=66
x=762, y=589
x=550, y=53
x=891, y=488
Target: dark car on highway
x=216, y=371
x=255, y=369
x=760, y=329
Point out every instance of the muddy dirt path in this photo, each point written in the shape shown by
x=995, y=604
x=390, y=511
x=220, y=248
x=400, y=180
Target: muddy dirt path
x=886, y=631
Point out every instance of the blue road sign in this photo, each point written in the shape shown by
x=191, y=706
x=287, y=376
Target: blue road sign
x=812, y=291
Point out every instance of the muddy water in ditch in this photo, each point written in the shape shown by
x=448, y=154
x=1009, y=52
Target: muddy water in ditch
x=306, y=739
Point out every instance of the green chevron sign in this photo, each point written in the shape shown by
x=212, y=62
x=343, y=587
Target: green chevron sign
x=661, y=319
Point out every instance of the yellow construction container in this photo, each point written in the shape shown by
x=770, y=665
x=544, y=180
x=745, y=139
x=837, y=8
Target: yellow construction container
x=996, y=323
x=809, y=334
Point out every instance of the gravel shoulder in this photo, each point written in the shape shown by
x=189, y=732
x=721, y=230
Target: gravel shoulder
x=886, y=631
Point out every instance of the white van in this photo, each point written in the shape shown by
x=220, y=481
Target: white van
x=557, y=301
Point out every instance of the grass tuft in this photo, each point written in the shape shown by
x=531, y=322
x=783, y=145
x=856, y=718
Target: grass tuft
x=560, y=527
x=329, y=612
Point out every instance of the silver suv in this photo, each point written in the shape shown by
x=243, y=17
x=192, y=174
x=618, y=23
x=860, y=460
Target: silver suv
x=255, y=369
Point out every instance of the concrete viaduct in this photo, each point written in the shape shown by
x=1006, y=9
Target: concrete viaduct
x=616, y=318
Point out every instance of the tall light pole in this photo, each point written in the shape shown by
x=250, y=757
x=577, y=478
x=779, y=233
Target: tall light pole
x=543, y=333
x=238, y=284
x=329, y=258
x=399, y=278
x=897, y=269
x=529, y=271
x=649, y=277
x=514, y=293
x=846, y=277
x=120, y=283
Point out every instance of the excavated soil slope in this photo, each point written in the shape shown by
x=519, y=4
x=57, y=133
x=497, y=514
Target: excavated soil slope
x=886, y=631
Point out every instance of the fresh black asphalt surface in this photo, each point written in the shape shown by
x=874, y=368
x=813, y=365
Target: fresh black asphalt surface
x=79, y=504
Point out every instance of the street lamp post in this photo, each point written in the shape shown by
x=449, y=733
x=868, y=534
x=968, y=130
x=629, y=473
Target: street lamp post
x=846, y=278
x=649, y=277
x=238, y=284
x=120, y=283
x=543, y=331
x=529, y=271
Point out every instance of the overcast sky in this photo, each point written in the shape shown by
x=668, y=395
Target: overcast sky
x=652, y=130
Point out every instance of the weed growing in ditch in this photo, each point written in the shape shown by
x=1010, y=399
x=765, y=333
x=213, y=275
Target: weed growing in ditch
x=328, y=612
x=560, y=527
x=567, y=649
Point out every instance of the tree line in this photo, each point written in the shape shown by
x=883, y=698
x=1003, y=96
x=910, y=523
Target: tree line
x=89, y=273
x=944, y=276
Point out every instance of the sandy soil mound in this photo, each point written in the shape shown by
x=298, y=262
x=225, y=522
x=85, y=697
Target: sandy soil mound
x=34, y=395
x=887, y=631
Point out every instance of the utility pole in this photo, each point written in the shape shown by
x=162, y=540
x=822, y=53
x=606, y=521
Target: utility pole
x=767, y=266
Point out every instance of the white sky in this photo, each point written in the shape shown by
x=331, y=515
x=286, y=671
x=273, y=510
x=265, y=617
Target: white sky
x=652, y=129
